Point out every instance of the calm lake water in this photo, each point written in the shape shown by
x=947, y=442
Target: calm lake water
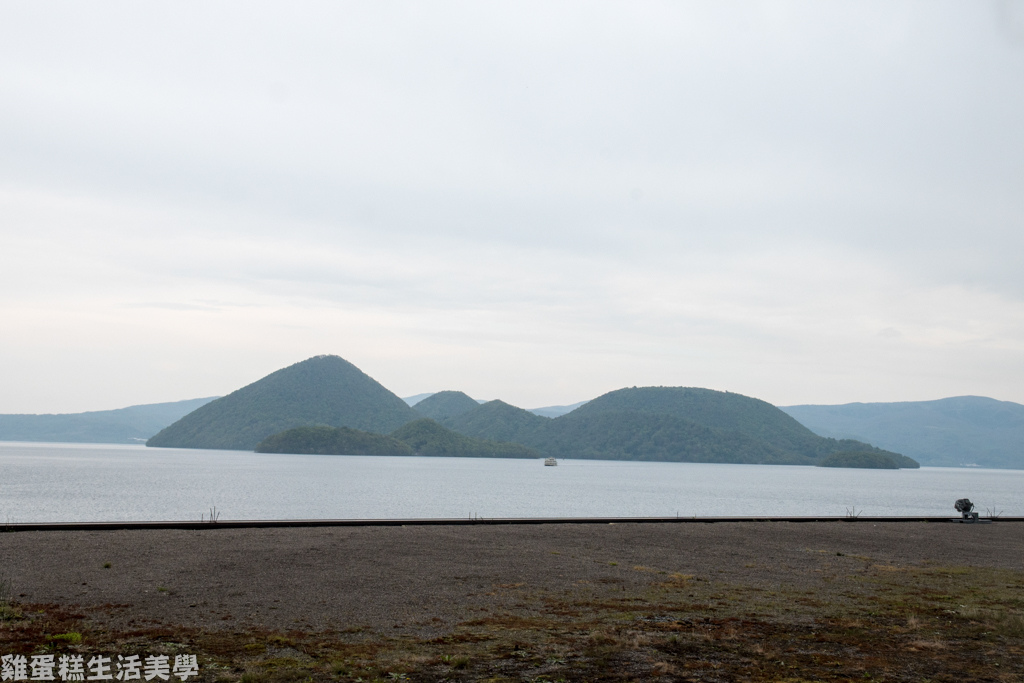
x=87, y=482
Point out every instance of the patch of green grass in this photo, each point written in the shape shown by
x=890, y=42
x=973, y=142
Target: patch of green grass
x=70, y=637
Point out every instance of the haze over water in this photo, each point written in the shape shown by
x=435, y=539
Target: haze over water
x=85, y=482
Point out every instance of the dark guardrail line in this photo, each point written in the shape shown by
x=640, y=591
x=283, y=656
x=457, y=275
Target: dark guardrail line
x=474, y=521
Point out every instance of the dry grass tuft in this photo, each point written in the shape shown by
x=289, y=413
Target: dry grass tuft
x=1001, y=621
x=677, y=580
x=928, y=645
x=663, y=669
x=639, y=641
x=603, y=639
x=765, y=651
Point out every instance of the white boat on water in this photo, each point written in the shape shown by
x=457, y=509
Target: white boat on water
x=550, y=462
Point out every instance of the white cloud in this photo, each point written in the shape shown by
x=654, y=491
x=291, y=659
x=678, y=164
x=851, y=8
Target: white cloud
x=538, y=203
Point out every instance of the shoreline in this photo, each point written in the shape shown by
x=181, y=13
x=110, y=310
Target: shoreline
x=11, y=527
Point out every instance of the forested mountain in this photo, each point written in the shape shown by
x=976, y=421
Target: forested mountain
x=718, y=410
x=648, y=436
x=124, y=425
x=963, y=430
x=860, y=459
x=419, y=437
x=445, y=404
x=499, y=421
x=324, y=390
x=324, y=440
x=676, y=424
x=427, y=437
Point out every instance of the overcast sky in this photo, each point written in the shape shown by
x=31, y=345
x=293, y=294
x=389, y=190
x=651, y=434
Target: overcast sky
x=541, y=202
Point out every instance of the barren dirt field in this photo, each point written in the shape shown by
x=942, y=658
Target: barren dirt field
x=614, y=602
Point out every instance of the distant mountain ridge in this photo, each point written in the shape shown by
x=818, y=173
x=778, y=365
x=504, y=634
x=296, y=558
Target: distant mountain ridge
x=323, y=390
x=949, y=432
x=133, y=424
x=413, y=400
x=556, y=411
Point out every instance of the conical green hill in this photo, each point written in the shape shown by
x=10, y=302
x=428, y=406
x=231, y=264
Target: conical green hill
x=445, y=404
x=323, y=390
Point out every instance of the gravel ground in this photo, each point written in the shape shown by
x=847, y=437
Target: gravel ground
x=423, y=579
